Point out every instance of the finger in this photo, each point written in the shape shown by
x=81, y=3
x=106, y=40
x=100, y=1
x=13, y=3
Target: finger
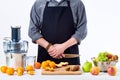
x=60, y=57
x=50, y=50
x=55, y=57
x=53, y=53
x=63, y=55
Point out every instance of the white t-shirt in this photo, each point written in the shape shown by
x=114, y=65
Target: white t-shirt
x=58, y=0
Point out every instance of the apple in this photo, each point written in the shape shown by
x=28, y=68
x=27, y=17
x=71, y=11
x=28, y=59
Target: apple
x=87, y=66
x=109, y=56
x=112, y=70
x=95, y=70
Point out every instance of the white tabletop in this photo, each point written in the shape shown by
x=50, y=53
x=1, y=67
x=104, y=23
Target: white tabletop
x=83, y=76
x=38, y=76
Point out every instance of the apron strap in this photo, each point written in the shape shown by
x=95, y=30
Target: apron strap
x=47, y=3
x=68, y=2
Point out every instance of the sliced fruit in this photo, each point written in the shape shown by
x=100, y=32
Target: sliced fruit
x=58, y=65
x=64, y=63
x=67, y=68
x=45, y=64
x=52, y=64
x=74, y=68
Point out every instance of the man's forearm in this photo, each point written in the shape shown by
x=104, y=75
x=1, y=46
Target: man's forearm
x=42, y=42
x=72, y=41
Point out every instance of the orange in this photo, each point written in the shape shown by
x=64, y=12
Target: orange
x=51, y=69
x=37, y=65
x=10, y=71
x=20, y=69
x=3, y=69
x=52, y=64
x=31, y=72
x=48, y=63
x=19, y=72
x=47, y=68
x=29, y=68
x=44, y=64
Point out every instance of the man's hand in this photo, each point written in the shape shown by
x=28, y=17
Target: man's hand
x=59, y=51
x=52, y=51
x=56, y=51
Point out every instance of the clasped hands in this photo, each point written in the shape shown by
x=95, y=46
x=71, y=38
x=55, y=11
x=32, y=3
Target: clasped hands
x=57, y=51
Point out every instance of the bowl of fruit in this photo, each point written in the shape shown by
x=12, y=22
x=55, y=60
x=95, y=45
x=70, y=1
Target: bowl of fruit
x=104, y=60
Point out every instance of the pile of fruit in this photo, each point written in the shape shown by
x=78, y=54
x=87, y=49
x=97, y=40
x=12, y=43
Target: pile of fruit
x=105, y=61
x=20, y=70
x=95, y=70
x=106, y=56
x=51, y=66
x=48, y=65
x=87, y=67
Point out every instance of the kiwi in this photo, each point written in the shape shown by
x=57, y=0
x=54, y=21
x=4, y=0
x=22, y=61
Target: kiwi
x=67, y=68
x=115, y=57
x=74, y=68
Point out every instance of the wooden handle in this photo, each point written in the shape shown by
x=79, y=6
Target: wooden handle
x=71, y=55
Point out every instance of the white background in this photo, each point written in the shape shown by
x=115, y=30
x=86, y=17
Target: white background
x=103, y=26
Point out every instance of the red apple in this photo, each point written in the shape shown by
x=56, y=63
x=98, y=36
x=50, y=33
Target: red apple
x=112, y=70
x=109, y=56
x=95, y=70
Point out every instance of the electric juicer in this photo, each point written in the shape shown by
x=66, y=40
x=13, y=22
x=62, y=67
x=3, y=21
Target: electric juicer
x=15, y=49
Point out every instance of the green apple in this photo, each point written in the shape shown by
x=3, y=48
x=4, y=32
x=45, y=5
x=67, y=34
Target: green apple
x=87, y=66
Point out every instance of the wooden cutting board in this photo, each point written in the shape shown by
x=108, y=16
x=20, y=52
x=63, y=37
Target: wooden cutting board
x=61, y=71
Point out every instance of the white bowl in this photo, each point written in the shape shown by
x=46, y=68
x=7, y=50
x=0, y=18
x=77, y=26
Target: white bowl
x=104, y=65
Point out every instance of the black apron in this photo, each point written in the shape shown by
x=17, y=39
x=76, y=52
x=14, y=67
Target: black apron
x=58, y=27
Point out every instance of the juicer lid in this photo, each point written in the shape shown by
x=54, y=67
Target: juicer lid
x=15, y=33
x=13, y=26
